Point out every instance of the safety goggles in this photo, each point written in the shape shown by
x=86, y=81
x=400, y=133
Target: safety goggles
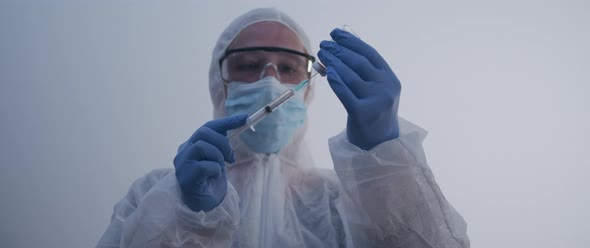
x=253, y=63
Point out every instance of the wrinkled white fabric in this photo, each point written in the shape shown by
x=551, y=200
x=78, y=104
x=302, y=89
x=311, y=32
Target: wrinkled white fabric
x=152, y=214
x=384, y=197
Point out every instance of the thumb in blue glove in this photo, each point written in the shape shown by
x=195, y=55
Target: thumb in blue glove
x=200, y=163
x=367, y=87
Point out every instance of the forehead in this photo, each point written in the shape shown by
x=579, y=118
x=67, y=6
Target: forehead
x=267, y=33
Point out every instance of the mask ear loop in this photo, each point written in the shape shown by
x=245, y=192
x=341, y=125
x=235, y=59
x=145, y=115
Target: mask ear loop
x=273, y=66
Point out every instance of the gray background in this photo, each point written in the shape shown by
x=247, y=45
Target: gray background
x=94, y=94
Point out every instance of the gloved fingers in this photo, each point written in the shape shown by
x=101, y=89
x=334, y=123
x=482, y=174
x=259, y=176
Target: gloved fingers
x=222, y=125
x=216, y=139
x=348, y=76
x=209, y=169
x=201, y=151
x=346, y=97
x=194, y=172
x=357, y=45
x=353, y=60
x=183, y=145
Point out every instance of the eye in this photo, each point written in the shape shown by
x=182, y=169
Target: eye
x=248, y=66
x=287, y=69
x=289, y=66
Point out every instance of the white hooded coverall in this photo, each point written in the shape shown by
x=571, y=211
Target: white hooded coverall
x=384, y=197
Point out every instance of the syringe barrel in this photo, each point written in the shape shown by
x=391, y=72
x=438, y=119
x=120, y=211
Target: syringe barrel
x=281, y=99
x=263, y=112
x=251, y=121
x=256, y=117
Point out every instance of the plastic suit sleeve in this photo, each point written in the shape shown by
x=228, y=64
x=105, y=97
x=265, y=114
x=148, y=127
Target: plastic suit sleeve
x=152, y=214
x=391, y=198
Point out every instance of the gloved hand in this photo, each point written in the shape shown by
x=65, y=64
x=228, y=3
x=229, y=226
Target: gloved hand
x=366, y=86
x=199, y=164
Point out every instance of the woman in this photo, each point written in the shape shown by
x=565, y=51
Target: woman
x=260, y=189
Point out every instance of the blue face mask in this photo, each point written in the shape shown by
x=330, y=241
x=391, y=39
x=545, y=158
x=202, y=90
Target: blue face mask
x=277, y=129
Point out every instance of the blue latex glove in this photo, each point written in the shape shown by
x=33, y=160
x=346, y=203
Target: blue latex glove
x=366, y=86
x=200, y=166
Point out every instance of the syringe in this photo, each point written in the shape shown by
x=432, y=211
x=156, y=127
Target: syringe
x=276, y=103
x=269, y=108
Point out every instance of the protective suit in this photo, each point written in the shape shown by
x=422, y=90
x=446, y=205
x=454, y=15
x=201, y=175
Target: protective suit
x=382, y=197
